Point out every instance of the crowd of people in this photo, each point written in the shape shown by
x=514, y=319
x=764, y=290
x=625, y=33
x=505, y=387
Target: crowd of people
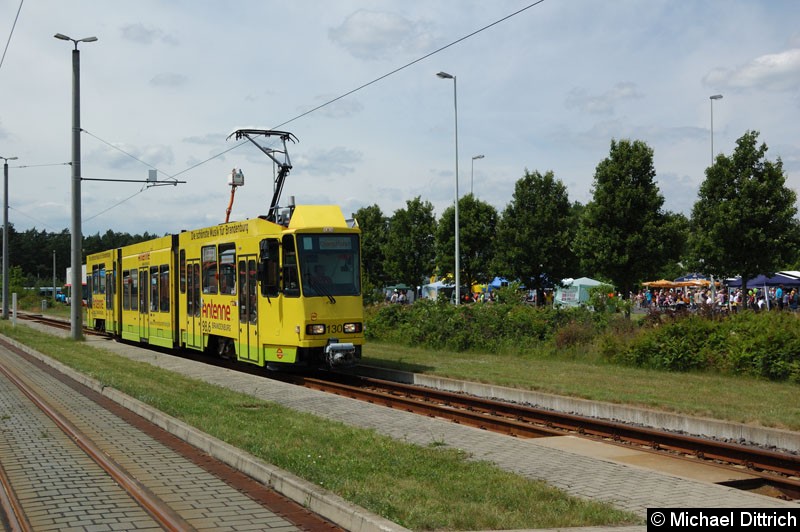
x=732, y=299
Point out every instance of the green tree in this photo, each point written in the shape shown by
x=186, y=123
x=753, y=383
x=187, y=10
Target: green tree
x=744, y=219
x=477, y=221
x=623, y=234
x=374, y=226
x=675, y=241
x=409, y=248
x=535, y=232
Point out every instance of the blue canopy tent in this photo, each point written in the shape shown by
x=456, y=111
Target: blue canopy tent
x=762, y=280
x=498, y=282
x=691, y=277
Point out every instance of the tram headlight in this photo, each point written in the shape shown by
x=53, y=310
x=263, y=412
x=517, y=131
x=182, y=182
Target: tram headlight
x=351, y=328
x=315, y=328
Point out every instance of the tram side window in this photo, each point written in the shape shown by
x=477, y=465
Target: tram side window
x=101, y=289
x=95, y=277
x=195, y=295
x=291, y=282
x=154, y=291
x=269, y=273
x=110, y=290
x=182, y=261
x=227, y=269
x=210, y=281
x=134, y=290
x=252, y=278
x=126, y=290
x=164, y=287
x=243, y=307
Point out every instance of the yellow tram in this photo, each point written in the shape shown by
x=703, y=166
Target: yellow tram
x=278, y=290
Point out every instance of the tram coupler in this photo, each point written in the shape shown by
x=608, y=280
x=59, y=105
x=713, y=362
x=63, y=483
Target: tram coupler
x=339, y=354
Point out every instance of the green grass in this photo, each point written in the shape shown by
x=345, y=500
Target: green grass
x=732, y=398
x=433, y=488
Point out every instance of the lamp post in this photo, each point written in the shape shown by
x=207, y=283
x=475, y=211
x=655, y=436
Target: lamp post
x=445, y=75
x=712, y=98
x=472, y=174
x=5, y=234
x=76, y=241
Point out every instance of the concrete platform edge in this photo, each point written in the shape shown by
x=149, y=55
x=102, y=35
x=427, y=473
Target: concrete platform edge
x=316, y=499
x=729, y=431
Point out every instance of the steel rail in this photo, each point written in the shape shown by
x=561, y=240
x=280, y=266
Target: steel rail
x=753, y=458
x=526, y=421
x=15, y=515
x=157, y=508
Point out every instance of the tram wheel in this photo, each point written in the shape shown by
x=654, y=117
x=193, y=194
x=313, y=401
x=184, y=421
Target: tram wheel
x=225, y=348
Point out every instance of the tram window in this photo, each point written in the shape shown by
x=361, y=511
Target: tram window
x=101, y=285
x=329, y=264
x=95, y=276
x=195, y=295
x=110, y=290
x=164, y=287
x=291, y=282
x=134, y=290
x=252, y=277
x=269, y=274
x=154, y=291
x=126, y=290
x=210, y=280
x=227, y=269
x=144, y=293
x=243, y=306
x=182, y=260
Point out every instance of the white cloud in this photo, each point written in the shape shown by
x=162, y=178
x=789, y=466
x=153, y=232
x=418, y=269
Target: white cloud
x=771, y=72
x=545, y=89
x=379, y=34
x=139, y=33
x=168, y=79
x=604, y=103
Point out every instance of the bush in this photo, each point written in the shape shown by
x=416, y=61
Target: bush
x=765, y=344
x=762, y=344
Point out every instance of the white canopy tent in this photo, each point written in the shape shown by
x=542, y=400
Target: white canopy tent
x=574, y=292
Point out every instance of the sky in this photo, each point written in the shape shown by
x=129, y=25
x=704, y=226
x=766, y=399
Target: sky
x=546, y=89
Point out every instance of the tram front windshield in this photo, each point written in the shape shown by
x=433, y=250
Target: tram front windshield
x=329, y=264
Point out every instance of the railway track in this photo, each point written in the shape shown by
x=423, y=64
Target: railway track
x=778, y=470
x=76, y=448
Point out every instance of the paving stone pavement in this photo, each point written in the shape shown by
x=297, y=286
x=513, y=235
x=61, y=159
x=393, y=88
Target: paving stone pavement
x=627, y=487
x=61, y=487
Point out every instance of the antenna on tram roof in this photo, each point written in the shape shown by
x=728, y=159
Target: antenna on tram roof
x=235, y=179
x=284, y=166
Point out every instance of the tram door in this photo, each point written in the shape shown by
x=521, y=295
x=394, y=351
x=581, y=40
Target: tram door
x=248, y=308
x=144, y=304
x=194, y=335
x=111, y=291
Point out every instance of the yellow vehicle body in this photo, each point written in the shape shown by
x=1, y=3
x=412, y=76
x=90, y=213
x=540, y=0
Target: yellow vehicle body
x=261, y=292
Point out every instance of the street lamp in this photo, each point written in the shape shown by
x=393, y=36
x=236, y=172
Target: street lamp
x=712, y=98
x=5, y=234
x=472, y=174
x=445, y=75
x=76, y=241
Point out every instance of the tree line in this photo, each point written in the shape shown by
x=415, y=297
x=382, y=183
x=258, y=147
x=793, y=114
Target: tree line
x=31, y=252
x=742, y=223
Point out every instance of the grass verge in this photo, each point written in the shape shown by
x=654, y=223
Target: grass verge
x=420, y=488
x=725, y=397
